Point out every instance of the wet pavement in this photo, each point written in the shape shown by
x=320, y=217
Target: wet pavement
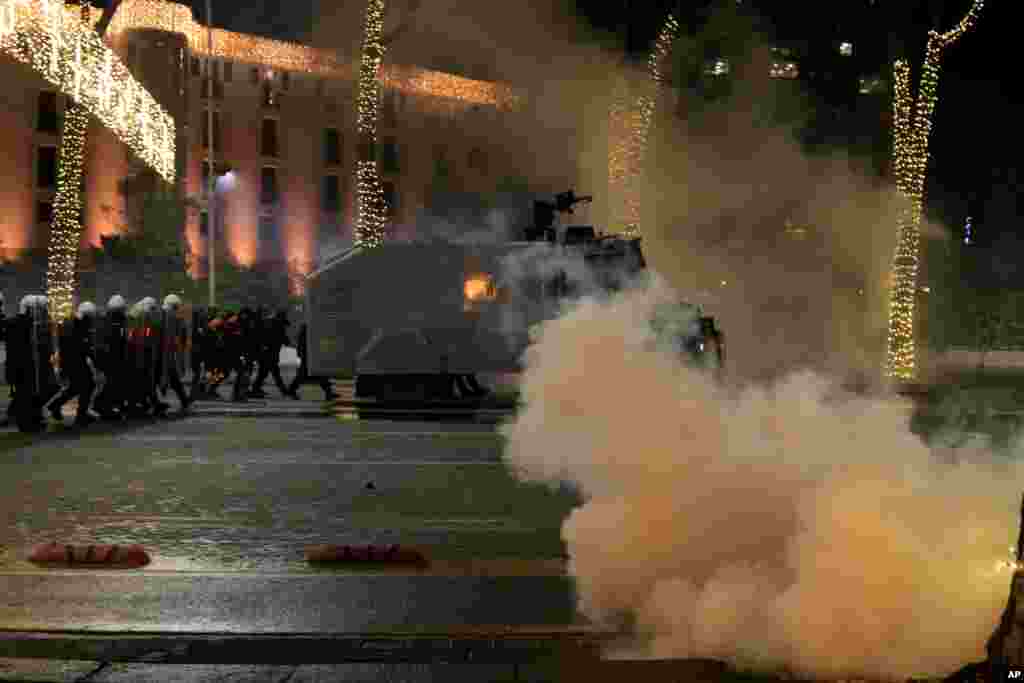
x=224, y=494
x=226, y=506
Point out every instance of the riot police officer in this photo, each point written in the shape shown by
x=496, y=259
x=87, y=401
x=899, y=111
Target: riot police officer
x=274, y=336
x=303, y=376
x=172, y=335
x=7, y=361
x=32, y=349
x=137, y=394
x=111, y=358
x=77, y=363
x=198, y=357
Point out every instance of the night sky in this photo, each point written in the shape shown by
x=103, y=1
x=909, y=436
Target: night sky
x=974, y=142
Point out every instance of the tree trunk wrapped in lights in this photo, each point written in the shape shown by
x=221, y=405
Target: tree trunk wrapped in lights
x=912, y=125
x=629, y=131
x=66, y=226
x=370, y=206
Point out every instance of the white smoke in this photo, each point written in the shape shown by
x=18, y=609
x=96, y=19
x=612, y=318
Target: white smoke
x=791, y=527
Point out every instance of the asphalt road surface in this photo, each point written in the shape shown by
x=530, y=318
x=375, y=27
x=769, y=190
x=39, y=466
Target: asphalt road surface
x=225, y=506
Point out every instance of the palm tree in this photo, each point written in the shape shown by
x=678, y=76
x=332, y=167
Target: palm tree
x=912, y=126
x=66, y=225
x=630, y=124
x=371, y=209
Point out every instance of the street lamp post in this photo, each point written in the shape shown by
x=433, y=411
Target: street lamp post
x=211, y=198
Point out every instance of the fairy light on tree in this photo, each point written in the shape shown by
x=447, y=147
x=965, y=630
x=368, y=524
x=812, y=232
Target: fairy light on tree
x=630, y=131
x=912, y=125
x=66, y=225
x=370, y=205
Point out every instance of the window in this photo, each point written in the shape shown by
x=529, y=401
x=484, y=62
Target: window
x=269, y=99
x=254, y=75
x=205, y=126
x=46, y=167
x=331, y=199
x=44, y=213
x=48, y=117
x=228, y=71
x=266, y=231
x=268, y=185
x=204, y=224
x=442, y=167
x=478, y=160
x=389, y=156
x=268, y=139
x=332, y=147
x=195, y=66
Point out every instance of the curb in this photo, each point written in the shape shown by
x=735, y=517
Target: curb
x=365, y=554
x=98, y=556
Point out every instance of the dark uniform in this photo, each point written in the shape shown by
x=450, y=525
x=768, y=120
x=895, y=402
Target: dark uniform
x=236, y=348
x=7, y=363
x=77, y=356
x=302, y=377
x=30, y=346
x=198, y=358
x=139, y=387
x=216, y=355
x=274, y=336
x=172, y=335
x=112, y=357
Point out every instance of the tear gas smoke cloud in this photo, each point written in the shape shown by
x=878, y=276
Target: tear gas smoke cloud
x=789, y=527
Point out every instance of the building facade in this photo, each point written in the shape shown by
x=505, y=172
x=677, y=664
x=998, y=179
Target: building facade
x=284, y=122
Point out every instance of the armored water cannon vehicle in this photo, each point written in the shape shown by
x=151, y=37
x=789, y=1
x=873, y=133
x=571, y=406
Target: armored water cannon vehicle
x=409, y=319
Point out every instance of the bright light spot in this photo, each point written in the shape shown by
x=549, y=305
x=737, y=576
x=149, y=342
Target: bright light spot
x=228, y=181
x=717, y=67
x=926, y=290
x=723, y=283
x=846, y=49
x=479, y=287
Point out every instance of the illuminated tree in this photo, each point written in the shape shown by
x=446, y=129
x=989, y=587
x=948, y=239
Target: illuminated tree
x=912, y=124
x=371, y=209
x=630, y=124
x=66, y=225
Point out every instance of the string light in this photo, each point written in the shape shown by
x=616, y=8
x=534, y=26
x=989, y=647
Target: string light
x=160, y=15
x=52, y=40
x=912, y=127
x=629, y=133
x=370, y=205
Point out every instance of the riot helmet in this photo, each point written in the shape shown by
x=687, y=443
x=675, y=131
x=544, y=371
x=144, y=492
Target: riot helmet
x=116, y=303
x=172, y=302
x=86, y=309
